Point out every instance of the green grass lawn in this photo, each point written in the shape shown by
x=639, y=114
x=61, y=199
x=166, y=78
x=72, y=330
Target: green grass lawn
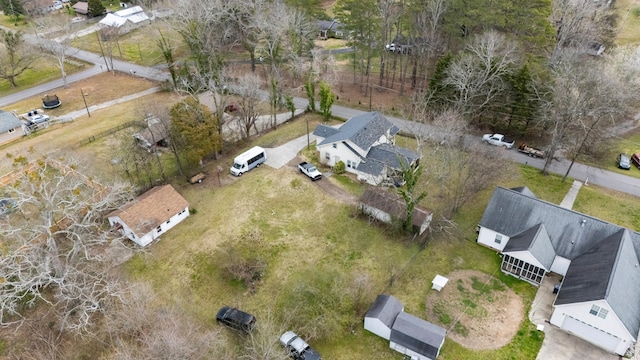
x=629, y=27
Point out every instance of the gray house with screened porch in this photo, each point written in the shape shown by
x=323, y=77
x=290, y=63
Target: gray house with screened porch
x=599, y=297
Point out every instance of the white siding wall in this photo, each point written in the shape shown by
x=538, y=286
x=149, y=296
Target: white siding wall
x=487, y=237
x=560, y=265
x=611, y=324
x=145, y=239
x=377, y=327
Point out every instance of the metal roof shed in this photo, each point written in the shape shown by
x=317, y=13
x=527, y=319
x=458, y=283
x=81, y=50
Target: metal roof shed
x=417, y=338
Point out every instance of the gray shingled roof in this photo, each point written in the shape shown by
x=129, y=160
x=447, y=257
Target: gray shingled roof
x=418, y=335
x=388, y=155
x=536, y=241
x=571, y=233
x=362, y=130
x=524, y=190
x=386, y=308
x=324, y=131
x=608, y=271
x=8, y=121
x=604, y=256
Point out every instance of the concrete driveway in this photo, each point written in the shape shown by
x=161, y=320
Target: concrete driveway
x=279, y=156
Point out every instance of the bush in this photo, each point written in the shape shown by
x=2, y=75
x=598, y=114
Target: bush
x=339, y=168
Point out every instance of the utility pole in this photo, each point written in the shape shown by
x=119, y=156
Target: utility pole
x=85, y=102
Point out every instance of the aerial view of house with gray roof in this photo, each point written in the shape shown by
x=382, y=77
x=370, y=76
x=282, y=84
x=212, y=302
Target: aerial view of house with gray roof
x=366, y=145
x=11, y=128
x=598, y=298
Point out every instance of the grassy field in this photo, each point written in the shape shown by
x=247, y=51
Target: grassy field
x=313, y=245
x=629, y=28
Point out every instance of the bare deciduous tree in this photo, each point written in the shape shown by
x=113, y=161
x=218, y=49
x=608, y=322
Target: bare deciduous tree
x=17, y=56
x=586, y=96
x=248, y=89
x=60, y=47
x=53, y=245
x=478, y=74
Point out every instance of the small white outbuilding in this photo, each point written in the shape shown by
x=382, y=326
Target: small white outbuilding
x=382, y=314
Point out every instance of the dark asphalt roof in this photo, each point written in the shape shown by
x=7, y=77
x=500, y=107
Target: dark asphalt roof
x=363, y=130
x=604, y=256
x=8, y=121
x=571, y=233
x=386, y=308
x=388, y=155
x=536, y=241
x=608, y=271
x=325, y=131
x=418, y=335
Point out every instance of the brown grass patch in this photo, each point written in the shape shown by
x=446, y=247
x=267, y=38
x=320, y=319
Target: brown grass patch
x=97, y=89
x=479, y=311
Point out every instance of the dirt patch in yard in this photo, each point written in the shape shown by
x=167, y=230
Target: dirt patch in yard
x=478, y=311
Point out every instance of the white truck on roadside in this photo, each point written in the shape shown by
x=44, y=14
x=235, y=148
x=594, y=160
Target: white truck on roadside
x=498, y=140
x=310, y=170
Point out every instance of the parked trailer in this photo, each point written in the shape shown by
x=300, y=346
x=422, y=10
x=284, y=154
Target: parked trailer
x=523, y=148
x=248, y=160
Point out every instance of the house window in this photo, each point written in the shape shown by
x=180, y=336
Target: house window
x=335, y=146
x=159, y=229
x=169, y=221
x=327, y=156
x=11, y=130
x=598, y=311
x=498, y=239
x=351, y=164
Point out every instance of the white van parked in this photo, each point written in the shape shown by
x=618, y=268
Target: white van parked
x=248, y=160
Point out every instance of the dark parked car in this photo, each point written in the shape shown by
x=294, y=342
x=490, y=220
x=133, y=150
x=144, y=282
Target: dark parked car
x=236, y=319
x=623, y=162
x=635, y=159
x=297, y=348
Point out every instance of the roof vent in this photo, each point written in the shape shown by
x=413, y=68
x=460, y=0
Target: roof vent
x=582, y=222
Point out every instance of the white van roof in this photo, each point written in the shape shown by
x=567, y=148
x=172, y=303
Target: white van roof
x=248, y=154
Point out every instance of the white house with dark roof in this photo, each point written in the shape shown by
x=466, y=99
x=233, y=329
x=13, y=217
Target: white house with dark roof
x=366, y=145
x=11, y=128
x=150, y=214
x=409, y=335
x=598, y=299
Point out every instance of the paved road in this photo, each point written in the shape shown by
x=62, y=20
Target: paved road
x=580, y=172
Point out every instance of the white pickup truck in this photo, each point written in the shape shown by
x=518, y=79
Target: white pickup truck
x=498, y=140
x=310, y=170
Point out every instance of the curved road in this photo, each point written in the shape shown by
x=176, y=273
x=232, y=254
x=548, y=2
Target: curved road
x=584, y=173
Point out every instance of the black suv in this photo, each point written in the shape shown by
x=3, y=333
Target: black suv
x=236, y=319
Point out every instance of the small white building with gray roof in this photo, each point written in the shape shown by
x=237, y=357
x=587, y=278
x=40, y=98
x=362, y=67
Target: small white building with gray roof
x=11, y=128
x=409, y=335
x=599, y=297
